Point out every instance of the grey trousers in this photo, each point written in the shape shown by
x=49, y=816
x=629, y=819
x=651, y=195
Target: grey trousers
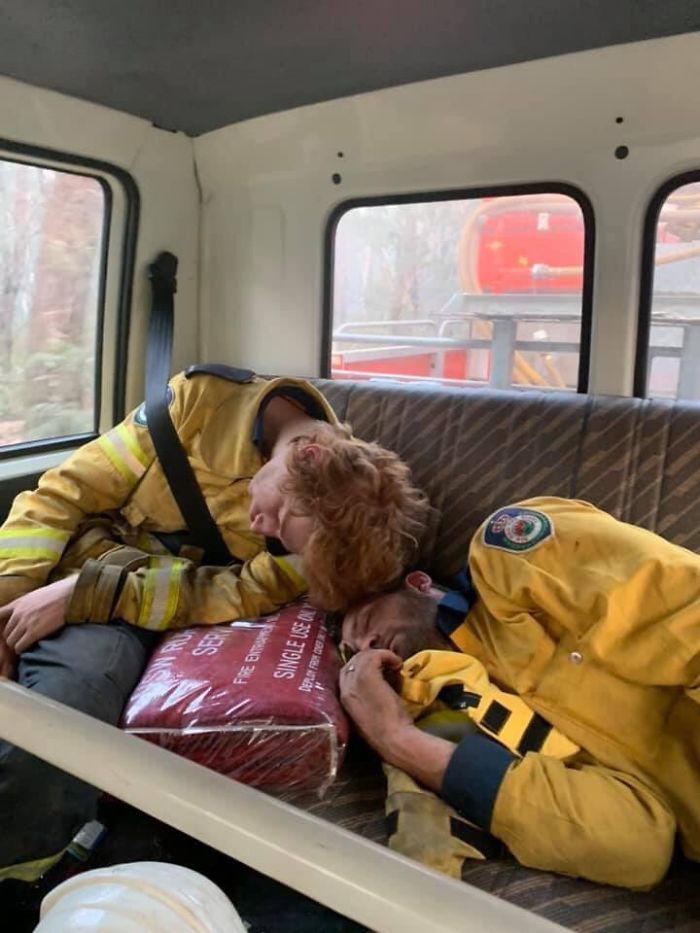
x=92, y=668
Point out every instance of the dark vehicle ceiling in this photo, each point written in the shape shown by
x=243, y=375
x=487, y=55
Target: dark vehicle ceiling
x=196, y=65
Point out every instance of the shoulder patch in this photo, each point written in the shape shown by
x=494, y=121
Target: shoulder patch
x=140, y=413
x=517, y=529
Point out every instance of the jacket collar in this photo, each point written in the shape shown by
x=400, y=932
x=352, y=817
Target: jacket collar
x=453, y=610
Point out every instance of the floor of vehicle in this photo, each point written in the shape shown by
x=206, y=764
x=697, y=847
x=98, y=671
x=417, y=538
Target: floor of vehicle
x=356, y=802
x=264, y=905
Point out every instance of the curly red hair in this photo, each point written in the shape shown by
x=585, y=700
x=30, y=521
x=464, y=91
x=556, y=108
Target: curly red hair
x=367, y=515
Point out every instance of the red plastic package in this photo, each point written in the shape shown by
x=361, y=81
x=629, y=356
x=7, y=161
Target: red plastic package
x=255, y=700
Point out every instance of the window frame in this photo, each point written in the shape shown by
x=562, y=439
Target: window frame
x=646, y=281
x=452, y=194
x=107, y=175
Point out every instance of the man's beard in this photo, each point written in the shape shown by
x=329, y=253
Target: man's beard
x=410, y=642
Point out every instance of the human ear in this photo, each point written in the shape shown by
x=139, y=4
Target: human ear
x=314, y=453
x=420, y=581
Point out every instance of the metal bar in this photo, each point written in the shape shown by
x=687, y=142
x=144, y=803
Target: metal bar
x=689, y=375
x=503, y=348
x=422, y=322
x=393, y=340
x=438, y=365
x=673, y=352
x=378, y=353
x=355, y=375
x=364, y=881
x=447, y=324
x=408, y=345
x=523, y=306
x=439, y=343
x=668, y=308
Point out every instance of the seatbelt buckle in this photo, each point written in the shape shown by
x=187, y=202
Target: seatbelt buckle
x=164, y=271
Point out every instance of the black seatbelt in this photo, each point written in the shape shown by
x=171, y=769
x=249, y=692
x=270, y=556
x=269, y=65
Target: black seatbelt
x=173, y=459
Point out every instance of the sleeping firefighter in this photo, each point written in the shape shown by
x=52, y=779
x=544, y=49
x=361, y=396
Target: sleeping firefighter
x=549, y=704
x=97, y=562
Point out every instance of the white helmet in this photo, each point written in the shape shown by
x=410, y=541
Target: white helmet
x=140, y=897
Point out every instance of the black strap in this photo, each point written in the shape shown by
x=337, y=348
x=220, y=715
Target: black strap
x=535, y=735
x=477, y=838
x=230, y=373
x=173, y=459
x=391, y=823
x=456, y=697
x=495, y=717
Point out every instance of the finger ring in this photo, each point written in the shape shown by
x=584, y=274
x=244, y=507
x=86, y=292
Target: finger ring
x=350, y=668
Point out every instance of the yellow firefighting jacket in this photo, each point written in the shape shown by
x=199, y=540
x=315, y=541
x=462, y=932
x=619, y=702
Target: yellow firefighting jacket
x=592, y=626
x=99, y=513
x=450, y=695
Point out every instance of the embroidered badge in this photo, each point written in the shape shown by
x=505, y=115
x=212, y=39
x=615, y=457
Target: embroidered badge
x=517, y=529
x=140, y=415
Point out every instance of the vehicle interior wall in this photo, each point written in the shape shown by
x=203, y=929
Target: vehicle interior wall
x=161, y=165
x=246, y=207
x=270, y=184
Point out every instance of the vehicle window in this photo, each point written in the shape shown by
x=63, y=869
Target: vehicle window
x=51, y=231
x=471, y=291
x=674, y=336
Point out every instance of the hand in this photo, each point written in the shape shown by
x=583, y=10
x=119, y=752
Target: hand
x=370, y=701
x=383, y=721
x=36, y=615
x=7, y=659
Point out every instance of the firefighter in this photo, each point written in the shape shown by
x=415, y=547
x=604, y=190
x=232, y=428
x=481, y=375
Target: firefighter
x=577, y=688
x=94, y=563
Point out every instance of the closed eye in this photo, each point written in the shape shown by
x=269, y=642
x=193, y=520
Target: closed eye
x=361, y=624
x=345, y=651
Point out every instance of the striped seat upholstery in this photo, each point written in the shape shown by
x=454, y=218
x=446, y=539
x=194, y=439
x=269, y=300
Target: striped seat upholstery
x=474, y=451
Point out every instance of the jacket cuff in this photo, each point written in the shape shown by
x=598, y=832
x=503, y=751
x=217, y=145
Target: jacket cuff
x=474, y=776
x=291, y=566
x=96, y=592
x=14, y=586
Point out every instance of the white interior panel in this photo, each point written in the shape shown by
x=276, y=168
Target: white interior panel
x=268, y=189
x=161, y=164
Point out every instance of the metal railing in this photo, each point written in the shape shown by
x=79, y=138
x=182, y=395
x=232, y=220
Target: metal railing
x=428, y=322
x=503, y=346
x=504, y=313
